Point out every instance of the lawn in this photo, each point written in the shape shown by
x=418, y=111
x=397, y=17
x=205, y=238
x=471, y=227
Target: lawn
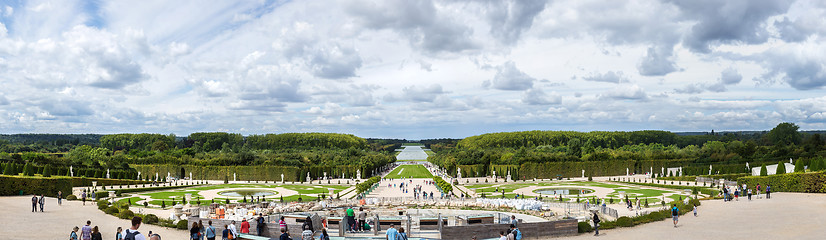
x=410, y=171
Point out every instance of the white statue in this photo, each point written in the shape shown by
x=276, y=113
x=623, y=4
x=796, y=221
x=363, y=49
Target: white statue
x=233, y=177
x=681, y=171
x=139, y=175
x=583, y=173
x=308, y=177
x=358, y=174
x=459, y=173
x=325, y=175
x=71, y=172
x=651, y=171
x=156, y=176
x=494, y=174
x=626, y=172
x=190, y=176
x=509, y=176
x=107, y=173
x=168, y=176
x=282, y=178
x=747, y=165
x=790, y=161
x=709, y=169
x=662, y=171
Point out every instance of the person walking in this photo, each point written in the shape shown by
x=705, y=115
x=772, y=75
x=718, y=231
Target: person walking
x=34, y=203
x=225, y=234
x=119, y=234
x=675, y=214
x=351, y=219
x=83, y=197
x=233, y=230
x=695, y=210
x=768, y=191
x=517, y=235
x=324, y=235
x=210, y=231
x=362, y=219
x=132, y=233
x=391, y=233
x=260, y=223
x=308, y=222
x=96, y=234
x=502, y=235
x=60, y=198
x=758, y=191
x=281, y=223
x=86, y=231
x=596, y=223
x=284, y=235
x=201, y=230
x=42, y=202
x=73, y=234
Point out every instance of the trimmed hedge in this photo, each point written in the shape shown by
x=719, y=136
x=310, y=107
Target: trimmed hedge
x=87, y=182
x=49, y=186
x=702, y=190
x=243, y=173
x=814, y=182
x=583, y=227
x=364, y=186
x=133, y=190
x=650, y=217
x=443, y=185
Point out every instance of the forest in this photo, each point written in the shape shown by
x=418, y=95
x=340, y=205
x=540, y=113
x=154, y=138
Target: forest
x=550, y=154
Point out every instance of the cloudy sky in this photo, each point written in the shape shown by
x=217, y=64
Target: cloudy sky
x=408, y=68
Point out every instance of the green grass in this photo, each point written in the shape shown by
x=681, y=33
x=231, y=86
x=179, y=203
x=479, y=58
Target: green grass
x=301, y=189
x=410, y=171
x=178, y=194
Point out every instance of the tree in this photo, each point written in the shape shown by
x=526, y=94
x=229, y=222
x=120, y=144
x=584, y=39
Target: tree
x=781, y=168
x=28, y=170
x=47, y=171
x=10, y=169
x=814, y=165
x=798, y=166
x=784, y=134
x=763, y=171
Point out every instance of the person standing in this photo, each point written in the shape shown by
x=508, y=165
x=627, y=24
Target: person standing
x=225, y=234
x=517, y=235
x=596, y=224
x=73, y=234
x=282, y=223
x=245, y=226
x=307, y=234
x=83, y=197
x=362, y=219
x=210, y=231
x=59, y=197
x=324, y=235
x=96, y=234
x=86, y=231
x=233, y=230
x=768, y=191
x=391, y=233
x=675, y=214
x=351, y=218
x=758, y=191
x=42, y=202
x=119, y=234
x=194, y=232
x=513, y=220
x=132, y=233
x=260, y=223
x=502, y=235
x=201, y=230
x=34, y=203
x=284, y=235
x=402, y=235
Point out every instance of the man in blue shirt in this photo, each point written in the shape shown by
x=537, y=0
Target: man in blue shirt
x=210, y=231
x=392, y=234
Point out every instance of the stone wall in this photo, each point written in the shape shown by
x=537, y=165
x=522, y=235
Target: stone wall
x=539, y=230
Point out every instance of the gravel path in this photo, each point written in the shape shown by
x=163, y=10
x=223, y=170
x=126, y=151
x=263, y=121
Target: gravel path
x=785, y=216
x=57, y=221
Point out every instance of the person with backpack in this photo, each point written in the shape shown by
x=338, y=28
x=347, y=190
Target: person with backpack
x=517, y=235
x=261, y=223
x=768, y=191
x=73, y=234
x=226, y=233
x=83, y=197
x=132, y=233
x=96, y=234
x=596, y=224
x=675, y=214
x=402, y=235
x=210, y=231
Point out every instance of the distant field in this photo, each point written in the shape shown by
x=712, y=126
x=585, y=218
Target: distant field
x=410, y=171
x=412, y=144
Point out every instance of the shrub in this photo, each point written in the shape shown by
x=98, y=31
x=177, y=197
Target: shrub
x=71, y=197
x=781, y=168
x=624, y=222
x=111, y=210
x=656, y=216
x=150, y=219
x=126, y=214
x=583, y=227
x=14, y=185
x=798, y=166
x=763, y=171
x=590, y=179
x=181, y=225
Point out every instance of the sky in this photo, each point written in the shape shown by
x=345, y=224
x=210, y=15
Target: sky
x=412, y=69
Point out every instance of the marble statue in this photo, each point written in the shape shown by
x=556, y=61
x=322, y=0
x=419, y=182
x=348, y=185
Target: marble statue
x=71, y=172
x=107, y=173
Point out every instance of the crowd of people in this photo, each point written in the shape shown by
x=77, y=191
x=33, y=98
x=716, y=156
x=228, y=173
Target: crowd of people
x=88, y=232
x=733, y=193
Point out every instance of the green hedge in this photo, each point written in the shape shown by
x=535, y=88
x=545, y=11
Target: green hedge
x=87, y=182
x=243, y=173
x=133, y=190
x=443, y=185
x=572, y=169
x=49, y=186
x=364, y=186
x=650, y=217
x=813, y=182
x=703, y=190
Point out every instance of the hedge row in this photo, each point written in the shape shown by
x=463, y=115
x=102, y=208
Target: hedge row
x=650, y=217
x=443, y=185
x=87, y=182
x=702, y=190
x=49, y=186
x=366, y=185
x=242, y=173
x=572, y=169
x=812, y=182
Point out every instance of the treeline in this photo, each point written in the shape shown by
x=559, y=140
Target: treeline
x=45, y=143
x=544, y=154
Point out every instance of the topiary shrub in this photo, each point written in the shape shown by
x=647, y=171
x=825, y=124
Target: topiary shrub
x=656, y=216
x=126, y=214
x=71, y=197
x=111, y=210
x=583, y=227
x=625, y=222
x=181, y=225
x=150, y=219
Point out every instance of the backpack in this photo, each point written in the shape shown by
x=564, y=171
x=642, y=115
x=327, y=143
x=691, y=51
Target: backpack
x=674, y=212
x=130, y=235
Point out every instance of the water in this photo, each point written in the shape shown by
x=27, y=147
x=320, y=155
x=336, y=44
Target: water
x=563, y=191
x=248, y=193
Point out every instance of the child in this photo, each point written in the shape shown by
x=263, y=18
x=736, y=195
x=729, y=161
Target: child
x=695, y=210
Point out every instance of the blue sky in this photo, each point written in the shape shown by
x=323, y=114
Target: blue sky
x=410, y=69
